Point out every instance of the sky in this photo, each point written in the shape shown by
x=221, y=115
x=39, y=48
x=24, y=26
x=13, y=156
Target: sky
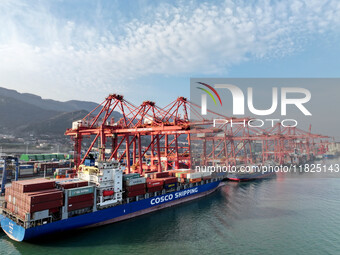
x=149, y=50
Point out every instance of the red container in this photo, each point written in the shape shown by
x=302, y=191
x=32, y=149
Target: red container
x=107, y=193
x=136, y=193
x=33, y=185
x=150, y=171
x=71, y=184
x=48, y=195
x=43, y=206
x=161, y=175
x=82, y=184
x=156, y=188
x=170, y=180
x=80, y=205
x=136, y=187
x=68, y=185
x=154, y=183
x=81, y=198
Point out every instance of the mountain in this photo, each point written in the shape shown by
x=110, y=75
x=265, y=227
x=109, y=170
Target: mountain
x=48, y=104
x=15, y=113
x=55, y=125
x=22, y=114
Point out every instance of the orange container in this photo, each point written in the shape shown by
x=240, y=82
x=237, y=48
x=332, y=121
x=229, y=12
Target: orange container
x=195, y=180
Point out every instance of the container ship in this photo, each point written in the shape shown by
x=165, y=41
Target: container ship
x=99, y=193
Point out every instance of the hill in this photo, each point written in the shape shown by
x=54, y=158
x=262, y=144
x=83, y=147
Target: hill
x=55, y=125
x=22, y=114
x=48, y=104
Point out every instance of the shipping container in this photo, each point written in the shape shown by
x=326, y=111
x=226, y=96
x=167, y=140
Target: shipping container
x=169, y=180
x=80, y=205
x=195, y=180
x=135, y=181
x=155, y=188
x=136, y=193
x=71, y=184
x=205, y=174
x=33, y=185
x=170, y=186
x=154, y=183
x=26, y=166
x=80, y=191
x=26, y=172
x=194, y=175
x=80, y=198
x=148, y=175
x=130, y=176
x=30, y=208
x=161, y=175
x=48, y=195
x=136, y=187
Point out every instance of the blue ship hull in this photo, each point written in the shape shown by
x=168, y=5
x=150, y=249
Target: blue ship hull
x=109, y=215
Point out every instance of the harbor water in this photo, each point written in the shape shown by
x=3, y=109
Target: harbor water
x=284, y=215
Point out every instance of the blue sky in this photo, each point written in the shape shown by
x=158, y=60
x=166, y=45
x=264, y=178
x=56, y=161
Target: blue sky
x=148, y=50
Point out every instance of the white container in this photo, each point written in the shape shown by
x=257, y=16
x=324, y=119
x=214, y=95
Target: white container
x=205, y=174
x=194, y=175
x=135, y=181
x=148, y=175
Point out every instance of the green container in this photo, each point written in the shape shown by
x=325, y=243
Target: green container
x=130, y=176
x=80, y=191
x=52, y=156
x=69, y=156
x=47, y=156
x=60, y=156
x=40, y=156
x=28, y=157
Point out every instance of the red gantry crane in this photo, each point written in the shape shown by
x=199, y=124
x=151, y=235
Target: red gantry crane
x=164, y=136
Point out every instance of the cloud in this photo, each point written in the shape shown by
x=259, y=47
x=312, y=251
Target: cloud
x=41, y=48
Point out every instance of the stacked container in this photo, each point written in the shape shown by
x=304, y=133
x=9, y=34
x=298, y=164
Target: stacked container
x=206, y=175
x=194, y=177
x=161, y=175
x=170, y=183
x=149, y=174
x=182, y=176
x=33, y=196
x=134, y=185
x=26, y=170
x=80, y=198
x=154, y=185
x=70, y=184
x=71, y=173
x=49, y=167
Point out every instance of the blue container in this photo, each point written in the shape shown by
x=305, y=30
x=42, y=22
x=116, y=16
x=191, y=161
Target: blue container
x=26, y=166
x=89, y=162
x=170, y=186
